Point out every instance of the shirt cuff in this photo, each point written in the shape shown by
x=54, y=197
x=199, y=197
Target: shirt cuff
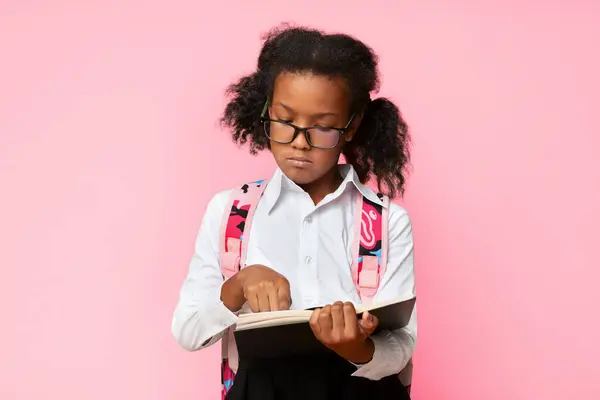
x=223, y=316
x=385, y=357
x=221, y=319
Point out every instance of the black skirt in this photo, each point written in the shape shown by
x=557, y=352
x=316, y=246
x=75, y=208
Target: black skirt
x=309, y=377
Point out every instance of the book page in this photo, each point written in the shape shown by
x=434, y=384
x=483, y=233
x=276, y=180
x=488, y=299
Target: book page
x=271, y=322
x=274, y=318
x=374, y=306
x=270, y=318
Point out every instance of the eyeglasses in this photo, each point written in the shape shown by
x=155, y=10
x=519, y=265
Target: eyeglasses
x=319, y=137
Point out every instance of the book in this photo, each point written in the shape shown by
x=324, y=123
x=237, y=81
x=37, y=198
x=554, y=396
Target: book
x=283, y=333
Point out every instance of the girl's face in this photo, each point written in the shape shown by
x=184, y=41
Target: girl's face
x=308, y=100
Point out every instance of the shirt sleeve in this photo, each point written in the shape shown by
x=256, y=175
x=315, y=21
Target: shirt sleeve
x=394, y=349
x=200, y=317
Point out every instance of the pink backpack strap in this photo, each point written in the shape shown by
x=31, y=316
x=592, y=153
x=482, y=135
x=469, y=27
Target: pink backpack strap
x=371, y=250
x=233, y=245
x=235, y=228
x=370, y=245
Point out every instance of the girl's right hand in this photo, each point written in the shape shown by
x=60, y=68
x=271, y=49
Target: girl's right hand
x=264, y=289
x=260, y=286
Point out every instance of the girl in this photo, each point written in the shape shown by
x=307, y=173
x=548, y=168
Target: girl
x=308, y=103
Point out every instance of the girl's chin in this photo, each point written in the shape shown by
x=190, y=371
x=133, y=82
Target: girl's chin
x=300, y=176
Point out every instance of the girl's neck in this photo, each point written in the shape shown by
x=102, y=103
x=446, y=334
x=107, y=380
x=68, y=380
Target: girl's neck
x=323, y=186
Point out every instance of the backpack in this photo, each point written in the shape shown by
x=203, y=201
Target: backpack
x=369, y=249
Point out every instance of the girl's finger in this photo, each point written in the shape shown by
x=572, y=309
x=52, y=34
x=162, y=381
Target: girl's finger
x=337, y=317
x=283, y=296
x=263, y=301
x=368, y=323
x=350, y=320
x=325, y=321
x=272, y=298
x=252, y=300
x=314, y=322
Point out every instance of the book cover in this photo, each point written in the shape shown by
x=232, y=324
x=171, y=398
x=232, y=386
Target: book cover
x=281, y=333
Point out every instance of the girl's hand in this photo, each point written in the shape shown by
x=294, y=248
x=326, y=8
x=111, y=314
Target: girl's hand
x=260, y=286
x=264, y=289
x=338, y=328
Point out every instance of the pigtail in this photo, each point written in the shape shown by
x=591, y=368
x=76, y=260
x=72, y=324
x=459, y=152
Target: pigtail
x=381, y=147
x=242, y=113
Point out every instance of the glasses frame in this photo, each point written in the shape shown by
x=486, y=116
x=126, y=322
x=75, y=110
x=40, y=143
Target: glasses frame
x=264, y=120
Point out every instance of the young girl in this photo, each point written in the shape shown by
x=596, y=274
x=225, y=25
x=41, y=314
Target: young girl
x=309, y=102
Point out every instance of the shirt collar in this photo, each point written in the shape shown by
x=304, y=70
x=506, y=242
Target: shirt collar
x=280, y=183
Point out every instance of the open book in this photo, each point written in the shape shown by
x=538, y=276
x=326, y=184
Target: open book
x=279, y=333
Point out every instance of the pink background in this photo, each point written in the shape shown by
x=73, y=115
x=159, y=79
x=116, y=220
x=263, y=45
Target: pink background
x=109, y=151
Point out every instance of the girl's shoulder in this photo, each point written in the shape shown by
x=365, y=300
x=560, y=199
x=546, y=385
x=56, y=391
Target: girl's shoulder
x=229, y=203
x=220, y=199
x=398, y=217
x=395, y=210
x=217, y=205
x=399, y=222
x=244, y=192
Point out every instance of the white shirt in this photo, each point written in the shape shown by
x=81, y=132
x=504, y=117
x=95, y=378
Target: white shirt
x=311, y=245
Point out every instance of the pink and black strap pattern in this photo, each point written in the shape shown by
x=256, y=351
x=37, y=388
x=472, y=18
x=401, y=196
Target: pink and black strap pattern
x=243, y=202
x=236, y=229
x=370, y=246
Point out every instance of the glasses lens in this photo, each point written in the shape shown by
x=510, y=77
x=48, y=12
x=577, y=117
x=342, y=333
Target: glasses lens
x=323, y=137
x=279, y=132
x=318, y=137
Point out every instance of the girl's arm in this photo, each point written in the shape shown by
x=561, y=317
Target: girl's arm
x=200, y=317
x=394, y=349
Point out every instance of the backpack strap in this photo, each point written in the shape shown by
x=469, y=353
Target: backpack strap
x=233, y=242
x=370, y=245
x=370, y=250
x=233, y=246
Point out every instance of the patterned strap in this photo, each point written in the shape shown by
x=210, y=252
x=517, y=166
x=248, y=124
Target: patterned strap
x=235, y=232
x=370, y=246
x=232, y=246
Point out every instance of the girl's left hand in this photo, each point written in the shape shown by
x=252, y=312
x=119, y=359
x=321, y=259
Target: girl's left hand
x=338, y=328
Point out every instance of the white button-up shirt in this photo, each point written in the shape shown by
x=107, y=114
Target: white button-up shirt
x=311, y=245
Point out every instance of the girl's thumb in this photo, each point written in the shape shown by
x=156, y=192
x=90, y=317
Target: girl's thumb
x=368, y=323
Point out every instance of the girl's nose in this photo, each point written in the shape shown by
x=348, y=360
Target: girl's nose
x=300, y=141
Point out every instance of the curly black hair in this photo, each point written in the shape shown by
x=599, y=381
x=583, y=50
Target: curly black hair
x=381, y=143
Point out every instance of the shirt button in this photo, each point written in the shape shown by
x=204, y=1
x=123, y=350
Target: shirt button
x=308, y=220
x=308, y=259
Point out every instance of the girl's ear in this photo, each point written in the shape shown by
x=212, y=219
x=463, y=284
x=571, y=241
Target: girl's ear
x=354, y=126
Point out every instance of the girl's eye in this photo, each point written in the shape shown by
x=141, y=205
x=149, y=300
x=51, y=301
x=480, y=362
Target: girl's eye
x=323, y=128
